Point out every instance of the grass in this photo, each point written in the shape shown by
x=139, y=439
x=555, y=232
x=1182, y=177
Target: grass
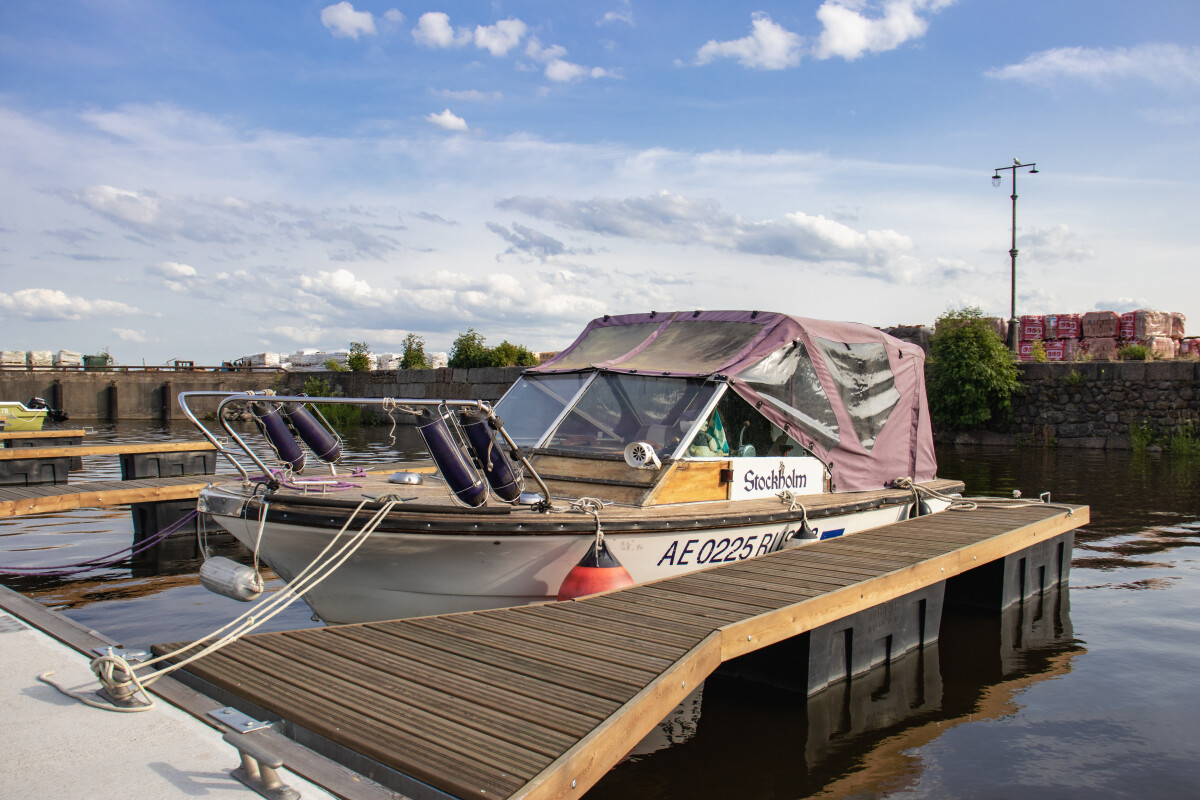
x=1074, y=378
x=1140, y=435
x=1183, y=441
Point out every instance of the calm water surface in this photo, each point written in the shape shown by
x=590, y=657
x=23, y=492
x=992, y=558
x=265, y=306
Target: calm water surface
x=1089, y=692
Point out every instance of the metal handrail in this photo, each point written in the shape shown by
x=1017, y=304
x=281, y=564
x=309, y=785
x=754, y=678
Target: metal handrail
x=229, y=398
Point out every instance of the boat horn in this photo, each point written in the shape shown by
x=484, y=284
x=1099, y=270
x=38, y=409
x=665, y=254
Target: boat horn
x=456, y=468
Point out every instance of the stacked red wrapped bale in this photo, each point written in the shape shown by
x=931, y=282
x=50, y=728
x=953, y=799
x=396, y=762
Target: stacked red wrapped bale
x=1033, y=328
x=1062, y=326
x=1189, y=348
x=1099, y=330
x=1152, y=329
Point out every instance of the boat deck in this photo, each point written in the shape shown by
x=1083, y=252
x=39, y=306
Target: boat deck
x=540, y=701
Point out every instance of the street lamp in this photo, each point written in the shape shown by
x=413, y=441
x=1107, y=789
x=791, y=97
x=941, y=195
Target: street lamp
x=1013, y=333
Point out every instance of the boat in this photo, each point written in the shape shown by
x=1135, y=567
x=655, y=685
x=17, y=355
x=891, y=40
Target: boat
x=654, y=445
x=16, y=416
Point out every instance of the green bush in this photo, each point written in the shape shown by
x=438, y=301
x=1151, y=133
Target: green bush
x=971, y=374
x=468, y=351
x=359, y=359
x=414, y=353
x=1134, y=352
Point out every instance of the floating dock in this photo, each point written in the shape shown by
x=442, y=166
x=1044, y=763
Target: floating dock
x=541, y=701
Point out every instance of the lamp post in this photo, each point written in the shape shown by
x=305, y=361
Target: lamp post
x=1013, y=333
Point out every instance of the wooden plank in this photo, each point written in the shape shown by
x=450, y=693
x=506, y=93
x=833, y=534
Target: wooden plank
x=16, y=453
x=550, y=629
x=638, y=623
x=54, y=434
x=600, y=686
x=447, y=689
x=781, y=590
x=232, y=670
x=578, y=769
x=438, y=715
x=593, y=468
x=657, y=643
x=690, y=482
x=87, y=495
x=721, y=592
x=574, y=697
x=610, y=668
x=742, y=637
x=664, y=602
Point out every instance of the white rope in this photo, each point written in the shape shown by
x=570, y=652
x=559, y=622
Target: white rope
x=108, y=667
x=973, y=503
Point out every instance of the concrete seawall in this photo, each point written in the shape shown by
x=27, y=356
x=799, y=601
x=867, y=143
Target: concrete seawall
x=1080, y=404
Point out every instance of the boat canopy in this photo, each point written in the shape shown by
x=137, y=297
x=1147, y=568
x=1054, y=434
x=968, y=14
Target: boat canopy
x=851, y=394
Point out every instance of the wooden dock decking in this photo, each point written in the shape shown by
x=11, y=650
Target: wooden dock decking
x=46, y=498
x=541, y=701
x=22, y=453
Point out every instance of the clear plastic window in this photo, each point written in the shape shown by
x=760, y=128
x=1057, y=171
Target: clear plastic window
x=694, y=346
x=864, y=380
x=607, y=343
x=736, y=429
x=787, y=379
x=534, y=402
x=618, y=409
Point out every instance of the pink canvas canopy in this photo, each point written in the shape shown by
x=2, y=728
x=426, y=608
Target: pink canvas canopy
x=851, y=394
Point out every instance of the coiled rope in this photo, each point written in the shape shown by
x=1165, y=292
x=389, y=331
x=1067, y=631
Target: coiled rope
x=122, y=679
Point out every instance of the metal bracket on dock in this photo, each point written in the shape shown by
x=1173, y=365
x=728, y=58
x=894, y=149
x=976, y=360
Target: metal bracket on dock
x=259, y=769
x=131, y=656
x=235, y=719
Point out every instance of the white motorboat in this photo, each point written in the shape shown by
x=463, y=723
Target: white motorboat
x=654, y=445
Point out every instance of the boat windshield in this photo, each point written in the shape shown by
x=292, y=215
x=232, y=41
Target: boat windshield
x=534, y=402
x=617, y=409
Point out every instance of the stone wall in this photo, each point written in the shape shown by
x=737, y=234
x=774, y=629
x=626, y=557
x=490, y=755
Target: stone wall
x=1095, y=403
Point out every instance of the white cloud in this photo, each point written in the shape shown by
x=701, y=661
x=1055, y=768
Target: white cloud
x=850, y=29
x=343, y=21
x=769, y=46
x=1054, y=244
x=535, y=50
x=498, y=39
x=666, y=217
x=130, y=335
x=434, y=30
x=1161, y=64
x=394, y=16
x=849, y=33
x=177, y=277
x=46, y=305
x=564, y=71
x=473, y=95
x=448, y=121
x=623, y=14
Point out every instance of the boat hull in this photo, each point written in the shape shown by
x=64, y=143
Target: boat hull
x=16, y=417
x=397, y=574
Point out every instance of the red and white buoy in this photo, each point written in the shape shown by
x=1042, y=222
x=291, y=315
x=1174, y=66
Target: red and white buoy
x=598, y=571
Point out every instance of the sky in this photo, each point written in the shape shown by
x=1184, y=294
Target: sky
x=207, y=180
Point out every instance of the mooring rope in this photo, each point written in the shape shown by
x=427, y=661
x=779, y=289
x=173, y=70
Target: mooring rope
x=973, y=503
x=61, y=570
x=122, y=680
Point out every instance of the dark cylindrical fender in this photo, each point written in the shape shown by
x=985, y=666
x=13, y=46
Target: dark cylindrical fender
x=456, y=469
x=274, y=427
x=324, y=444
x=496, y=466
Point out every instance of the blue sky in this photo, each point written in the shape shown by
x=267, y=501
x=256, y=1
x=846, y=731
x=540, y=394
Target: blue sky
x=208, y=180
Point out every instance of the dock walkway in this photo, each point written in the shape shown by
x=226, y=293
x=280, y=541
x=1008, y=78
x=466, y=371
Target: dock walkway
x=541, y=701
x=45, y=498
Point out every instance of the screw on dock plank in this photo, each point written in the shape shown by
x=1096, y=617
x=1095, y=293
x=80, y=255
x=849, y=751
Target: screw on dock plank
x=259, y=769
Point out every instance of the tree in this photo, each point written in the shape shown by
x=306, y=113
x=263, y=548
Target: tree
x=512, y=355
x=972, y=375
x=414, y=353
x=359, y=360
x=468, y=351
x=333, y=366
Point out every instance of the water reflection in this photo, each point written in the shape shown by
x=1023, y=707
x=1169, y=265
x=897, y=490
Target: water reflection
x=736, y=738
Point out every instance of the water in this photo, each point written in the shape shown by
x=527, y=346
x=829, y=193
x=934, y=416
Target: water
x=1089, y=692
